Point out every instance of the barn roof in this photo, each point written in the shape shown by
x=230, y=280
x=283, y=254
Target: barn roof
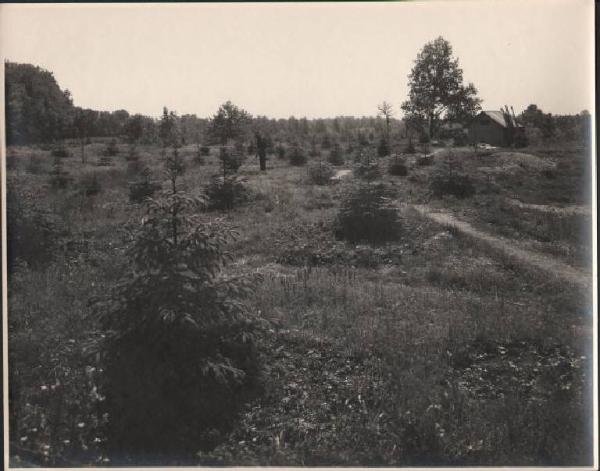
x=498, y=117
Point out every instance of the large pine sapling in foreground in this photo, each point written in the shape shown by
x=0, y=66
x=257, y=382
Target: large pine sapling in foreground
x=179, y=351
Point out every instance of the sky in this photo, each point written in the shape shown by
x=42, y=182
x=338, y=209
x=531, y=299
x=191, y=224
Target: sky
x=303, y=59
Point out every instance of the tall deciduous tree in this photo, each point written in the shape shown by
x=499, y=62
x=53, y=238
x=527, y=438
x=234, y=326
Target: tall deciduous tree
x=535, y=117
x=37, y=110
x=437, y=89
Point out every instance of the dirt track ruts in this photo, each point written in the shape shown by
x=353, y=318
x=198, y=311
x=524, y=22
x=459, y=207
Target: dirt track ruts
x=550, y=265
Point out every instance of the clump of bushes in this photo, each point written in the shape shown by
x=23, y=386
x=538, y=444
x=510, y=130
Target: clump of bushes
x=34, y=165
x=383, y=148
x=367, y=169
x=336, y=156
x=321, y=173
x=132, y=154
x=89, y=184
x=460, y=139
x=231, y=161
x=410, y=147
x=425, y=148
x=134, y=167
x=60, y=151
x=367, y=214
x=111, y=149
x=105, y=161
x=144, y=187
x=280, y=151
x=223, y=193
x=424, y=160
x=455, y=184
x=297, y=156
x=59, y=177
x=204, y=151
x=32, y=231
x=521, y=140
x=314, y=151
x=398, y=167
x=199, y=155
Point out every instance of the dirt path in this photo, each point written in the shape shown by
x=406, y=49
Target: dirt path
x=560, y=210
x=550, y=265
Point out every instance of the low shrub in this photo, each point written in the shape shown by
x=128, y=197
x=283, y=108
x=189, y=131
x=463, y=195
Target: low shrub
x=425, y=160
x=521, y=140
x=336, y=156
x=132, y=154
x=89, y=184
x=111, y=149
x=367, y=169
x=455, y=184
x=134, y=167
x=231, y=161
x=297, y=156
x=398, y=168
x=34, y=165
x=105, y=161
x=383, y=149
x=60, y=151
x=144, y=187
x=225, y=193
x=314, y=151
x=32, y=231
x=368, y=214
x=280, y=151
x=321, y=173
x=460, y=139
x=59, y=178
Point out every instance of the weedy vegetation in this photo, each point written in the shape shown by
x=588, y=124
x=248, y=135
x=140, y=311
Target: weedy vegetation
x=175, y=299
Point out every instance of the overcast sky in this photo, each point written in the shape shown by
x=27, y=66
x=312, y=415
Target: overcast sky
x=314, y=60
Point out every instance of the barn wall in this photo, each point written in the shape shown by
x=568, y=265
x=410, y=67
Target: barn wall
x=489, y=133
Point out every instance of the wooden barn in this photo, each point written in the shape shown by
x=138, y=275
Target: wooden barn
x=498, y=128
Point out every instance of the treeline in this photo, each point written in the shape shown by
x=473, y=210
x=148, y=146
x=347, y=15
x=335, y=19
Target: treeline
x=563, y=127
x=38, y=111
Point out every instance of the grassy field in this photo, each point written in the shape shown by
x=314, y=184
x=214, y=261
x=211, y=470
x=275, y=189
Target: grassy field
x=431, y=349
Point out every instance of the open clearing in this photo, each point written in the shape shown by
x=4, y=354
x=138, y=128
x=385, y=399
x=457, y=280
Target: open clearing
x=442, y=346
